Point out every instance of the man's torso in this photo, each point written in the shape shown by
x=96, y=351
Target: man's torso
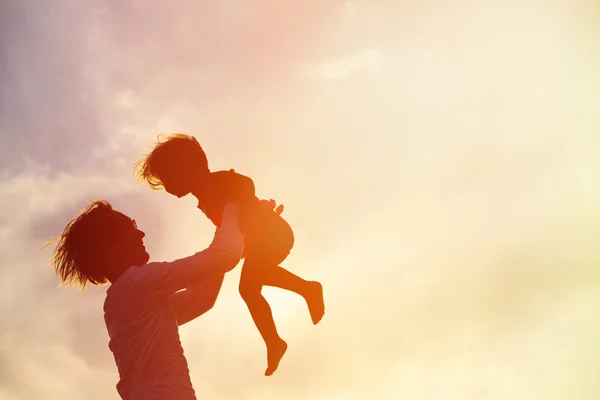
x=144, y=339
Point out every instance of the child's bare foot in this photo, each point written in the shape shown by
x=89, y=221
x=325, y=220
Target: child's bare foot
x=315, y=302
x=274, y=354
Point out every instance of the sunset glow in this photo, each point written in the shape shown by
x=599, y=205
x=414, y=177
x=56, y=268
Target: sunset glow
x=438, y=163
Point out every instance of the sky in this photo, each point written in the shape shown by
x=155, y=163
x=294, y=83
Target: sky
x=438, y=163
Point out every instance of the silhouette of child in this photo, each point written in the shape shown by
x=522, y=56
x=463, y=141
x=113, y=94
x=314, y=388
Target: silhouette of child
x=179, y=165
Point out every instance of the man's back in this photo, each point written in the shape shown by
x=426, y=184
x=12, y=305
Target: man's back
x=144, y=339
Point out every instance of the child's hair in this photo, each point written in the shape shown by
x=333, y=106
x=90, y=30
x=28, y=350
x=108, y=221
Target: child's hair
x=167, y=150
x=78, y=257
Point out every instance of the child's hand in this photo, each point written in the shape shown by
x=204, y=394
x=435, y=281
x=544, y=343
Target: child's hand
x=270, y=204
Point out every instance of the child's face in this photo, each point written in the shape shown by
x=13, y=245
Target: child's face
x=177, y=184
x=180, y=180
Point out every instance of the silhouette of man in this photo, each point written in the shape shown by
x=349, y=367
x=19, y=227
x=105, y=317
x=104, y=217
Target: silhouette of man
x=145, y=302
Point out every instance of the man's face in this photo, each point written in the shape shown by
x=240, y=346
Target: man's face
x=128, y=243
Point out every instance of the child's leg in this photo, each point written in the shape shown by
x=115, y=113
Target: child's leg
x=274, y=247
x=282, y=278
x=312, y=291
x=250, y=290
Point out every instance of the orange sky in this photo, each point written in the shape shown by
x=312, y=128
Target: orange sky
x=437, y=163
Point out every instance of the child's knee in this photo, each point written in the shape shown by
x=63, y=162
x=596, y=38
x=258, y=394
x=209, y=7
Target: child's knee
x=249, y=289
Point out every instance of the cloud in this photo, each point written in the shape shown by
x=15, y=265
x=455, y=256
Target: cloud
x=48, y=106
x=443, y=190
x=368, y=59
x=71, y=125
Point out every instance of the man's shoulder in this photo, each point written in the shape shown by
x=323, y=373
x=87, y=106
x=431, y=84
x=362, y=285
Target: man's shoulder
x=134, y=282
x=135, y=277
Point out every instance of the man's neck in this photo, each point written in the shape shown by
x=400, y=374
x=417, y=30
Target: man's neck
x=115, y=274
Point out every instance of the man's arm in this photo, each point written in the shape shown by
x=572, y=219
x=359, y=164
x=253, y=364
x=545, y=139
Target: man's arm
x=222, y=255
x=194, y=301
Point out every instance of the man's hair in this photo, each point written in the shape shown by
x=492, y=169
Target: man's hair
x=167, y=149
x=78, y=258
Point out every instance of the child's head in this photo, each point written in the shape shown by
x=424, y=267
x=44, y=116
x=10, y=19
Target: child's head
x=177, y=164
x=99, y=243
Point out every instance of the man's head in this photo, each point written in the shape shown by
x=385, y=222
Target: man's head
x=97, y=246
x=176, y=163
